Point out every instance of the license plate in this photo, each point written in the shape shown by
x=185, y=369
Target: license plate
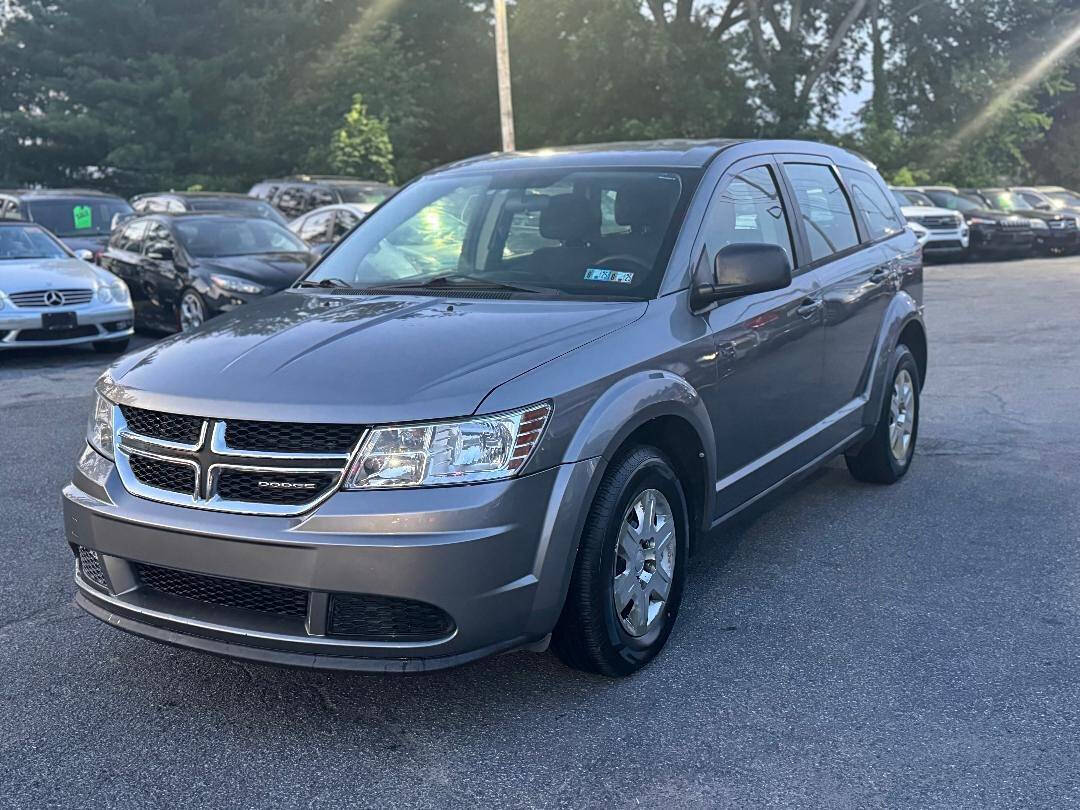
x=58, y=320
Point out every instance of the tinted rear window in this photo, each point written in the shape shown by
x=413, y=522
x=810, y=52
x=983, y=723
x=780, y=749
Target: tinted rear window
x=77, y=217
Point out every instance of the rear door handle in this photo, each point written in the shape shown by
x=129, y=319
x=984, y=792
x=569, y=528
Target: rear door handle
x=809, y=306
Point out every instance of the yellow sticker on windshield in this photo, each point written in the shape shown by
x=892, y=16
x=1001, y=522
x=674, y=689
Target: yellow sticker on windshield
x=83, y=216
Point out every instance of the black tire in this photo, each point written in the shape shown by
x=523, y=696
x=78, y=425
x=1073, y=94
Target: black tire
x=875, y=461
x=111, y=346
x=589, y=634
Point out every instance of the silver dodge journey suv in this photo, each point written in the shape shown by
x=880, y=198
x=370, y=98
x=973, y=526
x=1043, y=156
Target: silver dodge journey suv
x=504, y=409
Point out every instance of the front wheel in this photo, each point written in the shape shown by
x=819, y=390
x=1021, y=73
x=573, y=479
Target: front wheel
x=192, y=311
x=628, y=577
x=886, y=456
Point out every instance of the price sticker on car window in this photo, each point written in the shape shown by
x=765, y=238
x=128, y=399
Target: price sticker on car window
x=83, y=216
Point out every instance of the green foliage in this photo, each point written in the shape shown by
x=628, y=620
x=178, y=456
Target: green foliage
x=361, y=148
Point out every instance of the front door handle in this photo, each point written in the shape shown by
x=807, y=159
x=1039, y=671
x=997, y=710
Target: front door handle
x=881, y=274
x=809, y=307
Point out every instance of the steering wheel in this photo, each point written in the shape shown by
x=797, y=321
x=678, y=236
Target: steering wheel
x=623, y=257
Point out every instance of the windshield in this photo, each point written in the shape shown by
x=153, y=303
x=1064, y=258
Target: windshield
x=28, y=242
x=365, y=195
x=947, y=199
x=227, y=236
x=250, y=206
x=581, y=232
x=1064, y=199
x=1007, y=201
x=77, y=217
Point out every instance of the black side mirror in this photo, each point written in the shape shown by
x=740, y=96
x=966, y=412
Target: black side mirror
x=160, y=253
x=742, y=269
x=1043, y=206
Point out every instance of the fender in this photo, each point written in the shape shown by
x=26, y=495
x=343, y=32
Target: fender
x=630, y=403
x=903, y=309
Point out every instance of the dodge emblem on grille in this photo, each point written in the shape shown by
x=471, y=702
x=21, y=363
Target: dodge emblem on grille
x=285, y=485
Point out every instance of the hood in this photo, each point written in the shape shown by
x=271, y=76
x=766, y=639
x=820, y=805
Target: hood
x=91, y=243
x=1046, y=216
x=300, y=356
x=42, y=274
x=276, y=271
x=916, y=212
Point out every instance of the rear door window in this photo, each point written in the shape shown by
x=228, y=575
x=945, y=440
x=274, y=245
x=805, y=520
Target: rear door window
x=826, y=214
x=316, y=227
x=882, y=219
x=345, y=222
x=130, y=238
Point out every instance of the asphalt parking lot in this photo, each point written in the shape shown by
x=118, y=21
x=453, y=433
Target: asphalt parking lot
x=844, y=645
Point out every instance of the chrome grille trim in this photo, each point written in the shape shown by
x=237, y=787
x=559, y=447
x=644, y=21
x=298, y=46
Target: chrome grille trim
x=36, y=298
x=210, y=456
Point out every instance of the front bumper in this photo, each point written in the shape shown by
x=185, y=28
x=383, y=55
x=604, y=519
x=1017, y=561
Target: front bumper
x=21, y=328
x=1001, y=240
x=943, y=242
x=496, y=557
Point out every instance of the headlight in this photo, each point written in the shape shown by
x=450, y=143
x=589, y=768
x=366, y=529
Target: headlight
x=981, y=221
x=482, y=448
x=237, y=285
x=1039, y=224
x=99, y=428
x=117, y=291
x=3, y=299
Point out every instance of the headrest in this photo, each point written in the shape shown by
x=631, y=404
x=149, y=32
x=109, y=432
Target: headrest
x=645, y=204
x=569, y=217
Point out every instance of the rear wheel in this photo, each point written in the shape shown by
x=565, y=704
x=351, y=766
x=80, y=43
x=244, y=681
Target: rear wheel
x=627, y=582
x=191, y=313
x=886, y=457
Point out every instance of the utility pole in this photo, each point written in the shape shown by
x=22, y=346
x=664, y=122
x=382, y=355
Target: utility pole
x=502, y=64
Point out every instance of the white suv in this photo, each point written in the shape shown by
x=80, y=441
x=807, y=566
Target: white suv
x=949, y=233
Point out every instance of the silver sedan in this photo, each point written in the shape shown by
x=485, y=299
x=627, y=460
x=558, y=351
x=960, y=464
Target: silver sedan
x=51, y=297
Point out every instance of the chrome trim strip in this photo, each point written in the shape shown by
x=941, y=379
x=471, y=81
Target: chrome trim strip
x=315, y=641
x=219, y=446
x=121, y=429
x=137, y=487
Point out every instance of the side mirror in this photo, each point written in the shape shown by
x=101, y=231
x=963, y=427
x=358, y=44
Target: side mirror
x=85, y=255
x=1043, y=206
x=742, y=269
x=160, y=253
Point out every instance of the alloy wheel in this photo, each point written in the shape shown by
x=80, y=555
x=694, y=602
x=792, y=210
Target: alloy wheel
x=644, y=562
x=192, y=313
x=902, y=415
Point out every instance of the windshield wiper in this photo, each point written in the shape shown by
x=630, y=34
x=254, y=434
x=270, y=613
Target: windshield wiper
x=336, y=283
x=464, y=281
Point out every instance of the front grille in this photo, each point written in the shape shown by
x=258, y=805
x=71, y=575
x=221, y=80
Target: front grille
x=36, y=298
x=943, y=244
x=163, y=474
x=385, y=618
x=273, y=487
x=90, y=567
x=1016, y=224
x=170, y=427
x=941, y=223
x=233, y=593
x=64, y=333
x=287, y=437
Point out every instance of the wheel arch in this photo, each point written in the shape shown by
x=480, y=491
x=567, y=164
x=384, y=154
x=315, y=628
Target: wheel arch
x=903, y=323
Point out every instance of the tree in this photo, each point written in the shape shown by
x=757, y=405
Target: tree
x=361, y=148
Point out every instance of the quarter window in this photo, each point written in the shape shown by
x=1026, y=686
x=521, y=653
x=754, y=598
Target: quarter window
x=881, y=218
x=748, y=208
x=826, y=214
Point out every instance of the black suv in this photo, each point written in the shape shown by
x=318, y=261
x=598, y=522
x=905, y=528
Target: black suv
x=993, y=233
x=298, y=194
x=1055, y=232
x=179, y=202
x=81, y=219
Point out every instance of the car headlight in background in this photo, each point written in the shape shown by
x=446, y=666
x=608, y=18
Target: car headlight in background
x=480, y=448
x=1039, y=224
x=116, y=291
x=981, y=221
x=234, y=284
x=3, y=300
x=99, y=428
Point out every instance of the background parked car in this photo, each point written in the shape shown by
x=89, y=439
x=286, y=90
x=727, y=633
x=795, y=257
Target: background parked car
x=1049, y=198
x=1055, y=232
x=81, y=219
x=48, y=297
x=298, y=194
x=177, y=202
x=948, y=234
x=185, y=268
x=993, y=233
x=324, y=226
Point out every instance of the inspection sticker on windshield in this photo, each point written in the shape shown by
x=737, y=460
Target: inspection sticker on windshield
x=83, y=216
x=600, y=274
